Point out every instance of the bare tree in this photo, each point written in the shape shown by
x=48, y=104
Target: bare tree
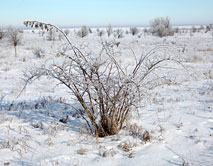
x=161, y=27
x=109, y=30
x=14, y=37
x=67, y=31
x=106, y=90
x=134, y=31
x=83, y=31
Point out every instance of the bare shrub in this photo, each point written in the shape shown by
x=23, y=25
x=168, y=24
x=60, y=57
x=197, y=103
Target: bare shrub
x=106, y=90
x=101, y=32
x=90, y=30
x=134, y=31
x=62, y=51
x=131, y=155
x=109, y=30
x=67, y=31
x=60, y=36
x=146, y=137
x=127, y=146
x=201, y=27
x=135, y=130
x=108, y=153
x=105, y=154
x=39, y=53
x=14, y=37
x=208, y=28
x=118, y=33
x=51, y=35
x=1, y=33
x=161, y=27
x=176, y=30
x=146, y=31
x=83, y=31
x=193, y=29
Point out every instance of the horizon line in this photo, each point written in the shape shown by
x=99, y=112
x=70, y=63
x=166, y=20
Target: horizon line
x=103, y=26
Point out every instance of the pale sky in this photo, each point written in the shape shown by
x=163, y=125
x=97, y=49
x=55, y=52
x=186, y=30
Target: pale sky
x=104, y=12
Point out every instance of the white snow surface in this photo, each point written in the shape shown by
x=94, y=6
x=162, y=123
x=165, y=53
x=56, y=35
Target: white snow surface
x=179, y=117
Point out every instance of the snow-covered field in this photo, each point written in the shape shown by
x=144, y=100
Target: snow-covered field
x=179, y=117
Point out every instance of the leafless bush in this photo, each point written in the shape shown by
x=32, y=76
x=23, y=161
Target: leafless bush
x=101, y=32
x=83, y=31
x=193, y=29
x=109, y=30
x=14, y=37
x=51, y=35
x=106, y=90
x=136, y=130
x=176, y=30
x=90, y=30
x=60, y=36
x=146, y=31
x=62, y=51
x=161, y=27
x=146, y=137
x=134, y=31
x=118, y=33
x=67, y=31
x=201, y=27
x=127, y=146
x=131, y=155
x=39, y=53
x=1, y=33
x=209, y=27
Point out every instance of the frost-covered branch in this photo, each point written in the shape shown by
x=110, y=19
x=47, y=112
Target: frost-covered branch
x=106, y=90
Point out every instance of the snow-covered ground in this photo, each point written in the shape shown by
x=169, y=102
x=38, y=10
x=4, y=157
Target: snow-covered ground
x=179, y=117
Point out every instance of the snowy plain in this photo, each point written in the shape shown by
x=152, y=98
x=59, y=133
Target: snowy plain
x=179, y=117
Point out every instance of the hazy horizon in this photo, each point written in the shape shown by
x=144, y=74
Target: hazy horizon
x=104, y=26
x=100, y=13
